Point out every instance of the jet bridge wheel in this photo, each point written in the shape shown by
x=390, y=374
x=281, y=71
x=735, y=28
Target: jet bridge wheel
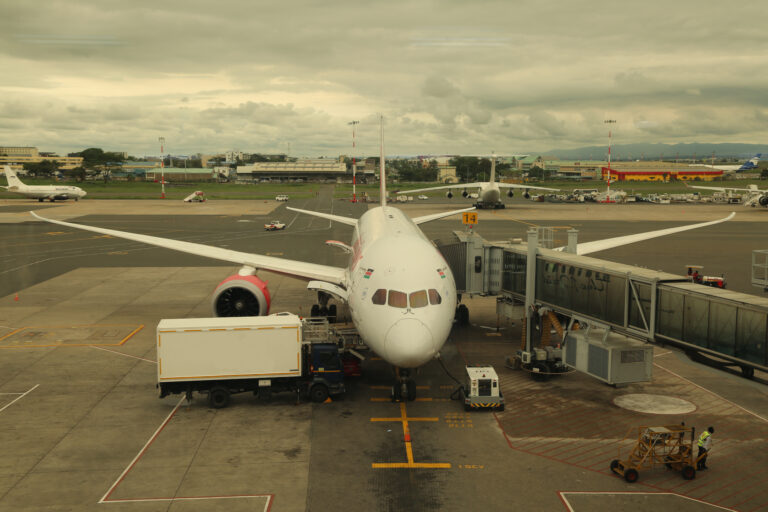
x=462, y=314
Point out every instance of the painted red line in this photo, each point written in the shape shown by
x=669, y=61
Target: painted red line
x=762, y=492
x=739, y=491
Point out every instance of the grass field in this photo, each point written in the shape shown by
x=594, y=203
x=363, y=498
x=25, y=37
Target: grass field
x=149, y=190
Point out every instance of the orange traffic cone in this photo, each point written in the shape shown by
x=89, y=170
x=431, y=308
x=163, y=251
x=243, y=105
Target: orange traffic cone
x=16, y=298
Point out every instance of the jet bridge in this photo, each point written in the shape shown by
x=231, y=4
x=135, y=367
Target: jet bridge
x=632, y=301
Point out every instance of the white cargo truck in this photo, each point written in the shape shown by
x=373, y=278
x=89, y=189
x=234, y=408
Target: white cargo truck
x=263, y=354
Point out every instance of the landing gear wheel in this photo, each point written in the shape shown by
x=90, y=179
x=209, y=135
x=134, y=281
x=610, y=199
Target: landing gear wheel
x=410, y=386
x=397, y=394
x=631, y=475
x=218, y=397
x=39, y=199
x=689, y=472
x=332, y=314
x=318, y=393
x=315, y=311
x=462, y=314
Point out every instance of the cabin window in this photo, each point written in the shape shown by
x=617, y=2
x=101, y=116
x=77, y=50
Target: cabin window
x=419, y=299
x=434, y=297
x=398, y=299
x=380, y=297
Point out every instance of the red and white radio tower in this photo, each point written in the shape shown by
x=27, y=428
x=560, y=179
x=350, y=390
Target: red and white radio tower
x=354, y=163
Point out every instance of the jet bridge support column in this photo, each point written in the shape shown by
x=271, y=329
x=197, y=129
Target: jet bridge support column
x=530, y=284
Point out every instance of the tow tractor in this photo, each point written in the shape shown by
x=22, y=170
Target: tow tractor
x=670, y=445
x=696, y=276
x=481, y=389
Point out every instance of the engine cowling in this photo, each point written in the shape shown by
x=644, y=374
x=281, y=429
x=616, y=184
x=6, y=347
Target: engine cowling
x=510, y=193
x=449, y=194
x=763, y=200
x=241, y=296
x=464, y=193
x=526, y=194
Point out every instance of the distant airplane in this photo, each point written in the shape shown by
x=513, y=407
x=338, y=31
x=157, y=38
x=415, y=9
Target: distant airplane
x=41, y=192
x=489, y=193
x=754, y=196
x=749, y=165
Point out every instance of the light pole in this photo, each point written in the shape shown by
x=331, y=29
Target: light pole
x=162, y=167
x=608, y=187
x=354, y=163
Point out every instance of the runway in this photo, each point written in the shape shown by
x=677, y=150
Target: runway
x=82, y=427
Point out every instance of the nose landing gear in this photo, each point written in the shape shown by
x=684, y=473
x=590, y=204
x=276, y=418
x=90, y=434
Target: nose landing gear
x=405, y=388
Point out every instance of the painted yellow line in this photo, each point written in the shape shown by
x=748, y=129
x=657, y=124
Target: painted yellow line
x=12, y=333
x=409, y=419
x=381, y=387
x=131, y=335
x=381, y=399
x=411, y=465
x=423, y=400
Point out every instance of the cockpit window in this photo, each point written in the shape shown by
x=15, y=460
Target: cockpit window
x=380, y=297
x=419, y=299
x=434, y=297
x=398, y=299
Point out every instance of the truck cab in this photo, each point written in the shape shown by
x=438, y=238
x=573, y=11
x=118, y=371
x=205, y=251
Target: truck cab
x=326, y=370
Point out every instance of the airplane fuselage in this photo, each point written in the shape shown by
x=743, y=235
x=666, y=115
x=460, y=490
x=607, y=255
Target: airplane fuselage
x=490, y=193
x=401, y=293
x=48, y=192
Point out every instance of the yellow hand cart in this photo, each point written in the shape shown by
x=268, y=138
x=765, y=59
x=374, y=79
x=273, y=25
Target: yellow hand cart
x=668, y=445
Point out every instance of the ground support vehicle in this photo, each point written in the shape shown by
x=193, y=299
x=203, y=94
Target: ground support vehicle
x=281, y=197
x=274, y=225
x=481, y=389
x=669, y=445
x=263, y=354
x=195, y=197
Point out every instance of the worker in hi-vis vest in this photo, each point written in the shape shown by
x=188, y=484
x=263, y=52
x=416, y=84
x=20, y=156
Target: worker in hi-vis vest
x=705, y=443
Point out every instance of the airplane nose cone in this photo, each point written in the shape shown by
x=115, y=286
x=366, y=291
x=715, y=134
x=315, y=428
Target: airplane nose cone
x=409, y=343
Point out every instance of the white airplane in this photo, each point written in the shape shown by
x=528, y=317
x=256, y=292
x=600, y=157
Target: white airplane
x=749, y=165
x=489, y=193
x=753, y=196
x=400, y=291
x=41, y=192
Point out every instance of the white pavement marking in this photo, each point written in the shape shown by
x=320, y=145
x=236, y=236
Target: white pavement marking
x=105, y=498
x=19, y=397
x=713, y=393
x=126, y=355
x=611, y=493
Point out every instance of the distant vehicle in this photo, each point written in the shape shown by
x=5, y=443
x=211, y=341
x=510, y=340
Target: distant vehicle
x=488, y=193
x=281, y=197
x=264, y=355
x=751, y=196
x=274, y=225
x=195, y=197
x=422, y=196
x=41, y=192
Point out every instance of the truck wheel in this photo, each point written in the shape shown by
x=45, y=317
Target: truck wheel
x=689, y=472
x=747, y=372
x=318, y=393
x=218, y=397
x=614, y=465
x=631, y=475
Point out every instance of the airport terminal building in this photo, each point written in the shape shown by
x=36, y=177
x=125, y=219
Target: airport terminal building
x=316, y=169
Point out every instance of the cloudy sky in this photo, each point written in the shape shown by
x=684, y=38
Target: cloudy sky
x=449, y=76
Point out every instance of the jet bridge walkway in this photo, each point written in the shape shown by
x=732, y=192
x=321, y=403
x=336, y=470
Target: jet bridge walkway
x=632, y=301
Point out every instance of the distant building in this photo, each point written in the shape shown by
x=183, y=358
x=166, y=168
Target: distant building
x=306, y=169
x=447, y=174
x=17, y=156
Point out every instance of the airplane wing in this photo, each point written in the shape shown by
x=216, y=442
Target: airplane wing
x=515, y=185
x=338, y=218
x=610, y=243
x=282, y=266
x=435, y=216
x=444, y=187
x=723, y=189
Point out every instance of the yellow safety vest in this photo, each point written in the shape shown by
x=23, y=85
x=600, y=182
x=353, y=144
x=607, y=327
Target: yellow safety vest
x=703, y=437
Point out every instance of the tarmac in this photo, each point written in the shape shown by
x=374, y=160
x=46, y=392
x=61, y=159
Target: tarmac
x=82, y=428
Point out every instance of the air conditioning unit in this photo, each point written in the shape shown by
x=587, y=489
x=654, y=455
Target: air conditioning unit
x=608, y=356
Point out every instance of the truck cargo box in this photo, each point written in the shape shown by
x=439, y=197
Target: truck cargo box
x=228, y=348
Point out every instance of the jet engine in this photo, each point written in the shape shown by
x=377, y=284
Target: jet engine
x=241, y=295
x=763, y=200
x=510, y=193
x=449, y=194
x=464, y=193
x=526, y=195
